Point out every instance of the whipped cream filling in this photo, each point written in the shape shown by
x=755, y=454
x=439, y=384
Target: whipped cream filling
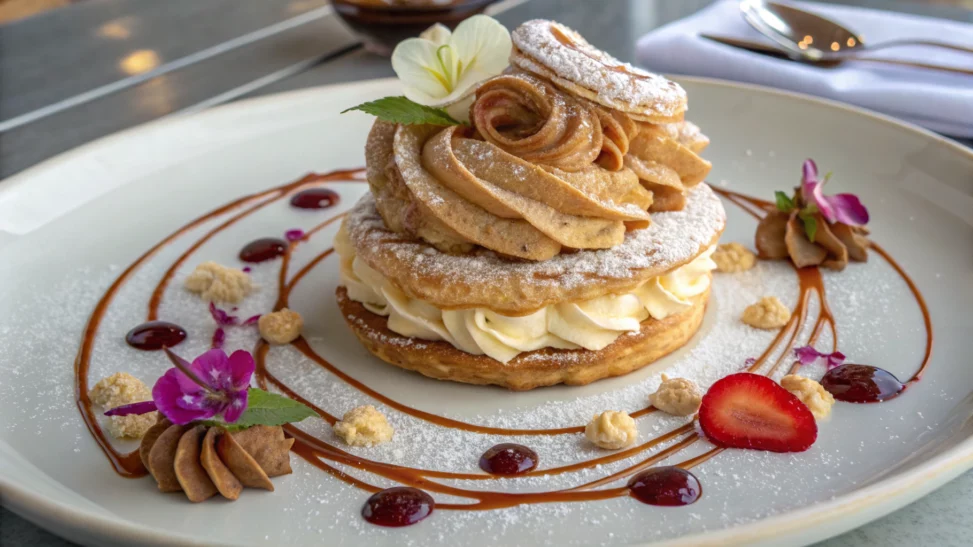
x=591, y=324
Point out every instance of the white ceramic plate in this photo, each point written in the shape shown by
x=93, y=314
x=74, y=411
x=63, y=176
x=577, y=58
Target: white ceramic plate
x=68, y=227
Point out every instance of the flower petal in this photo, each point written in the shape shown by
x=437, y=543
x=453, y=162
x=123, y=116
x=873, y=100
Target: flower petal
x=807, y=355
x=848, y=209
x=143, y=407
x=835, y=359
x=813, y=193
x=483, y=46
x=415, y=63
x=810, y=171
x=213, y=367
x=240, y=367
x=221, y=317
x=438, y=34
x=186, y=384
x=167, y=395
x=236, y=407
x=219, y=337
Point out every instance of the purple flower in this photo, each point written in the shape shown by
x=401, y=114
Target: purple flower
x=222, y=318
x=294, y=235
x=807, y=355
x=252, y=320
x=211, y=385
x=843, y=208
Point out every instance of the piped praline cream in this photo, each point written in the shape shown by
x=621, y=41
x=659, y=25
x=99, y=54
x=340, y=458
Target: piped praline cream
x=589, y=324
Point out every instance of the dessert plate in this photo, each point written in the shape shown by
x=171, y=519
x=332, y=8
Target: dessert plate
x=71, y=226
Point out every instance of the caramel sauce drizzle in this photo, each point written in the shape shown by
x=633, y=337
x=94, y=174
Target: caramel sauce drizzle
x=324, y=455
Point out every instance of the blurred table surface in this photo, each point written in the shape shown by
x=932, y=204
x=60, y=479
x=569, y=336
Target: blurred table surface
x=79, y=72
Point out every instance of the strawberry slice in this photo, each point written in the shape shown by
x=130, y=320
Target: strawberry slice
x=751, y=411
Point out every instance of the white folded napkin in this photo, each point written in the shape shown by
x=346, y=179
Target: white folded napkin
x=934, y=99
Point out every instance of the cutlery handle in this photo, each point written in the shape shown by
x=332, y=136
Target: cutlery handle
x=911, y=42
x=914, y=64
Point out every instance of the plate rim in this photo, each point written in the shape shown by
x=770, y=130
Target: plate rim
x=797, y=526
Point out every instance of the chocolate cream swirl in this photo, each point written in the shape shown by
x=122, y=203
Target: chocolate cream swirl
x=538, y=172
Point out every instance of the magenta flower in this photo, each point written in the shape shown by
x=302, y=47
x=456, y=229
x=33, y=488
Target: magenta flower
x=807, y=355
x=212, y=384
x=843, y=208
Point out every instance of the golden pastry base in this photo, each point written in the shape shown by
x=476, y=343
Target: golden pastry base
x=544, y=367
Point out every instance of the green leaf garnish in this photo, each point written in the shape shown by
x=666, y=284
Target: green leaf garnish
x=402, y=110
x=784, y=202
x=264, y=408
x=810, y=225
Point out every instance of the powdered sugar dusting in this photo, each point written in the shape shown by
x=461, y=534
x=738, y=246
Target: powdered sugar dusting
x=672, y=239
x=596, y=70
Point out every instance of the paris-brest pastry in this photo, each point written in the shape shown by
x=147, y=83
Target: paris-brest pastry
x=563, y=237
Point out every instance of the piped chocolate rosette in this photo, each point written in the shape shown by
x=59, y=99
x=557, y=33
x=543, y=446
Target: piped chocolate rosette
x=203, y=461
x=812, y=229
x=520, y=249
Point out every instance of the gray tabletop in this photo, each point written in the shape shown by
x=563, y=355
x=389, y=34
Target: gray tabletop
x=98, y=66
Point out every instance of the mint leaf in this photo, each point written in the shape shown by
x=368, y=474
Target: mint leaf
x=264, y=408
x=784, y=202
x=402, y=110
x=810, y=226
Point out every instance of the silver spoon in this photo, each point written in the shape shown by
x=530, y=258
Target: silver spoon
x=807, y=36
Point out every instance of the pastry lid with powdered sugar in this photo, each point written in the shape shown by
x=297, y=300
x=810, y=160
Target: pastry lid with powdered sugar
x=556, y=52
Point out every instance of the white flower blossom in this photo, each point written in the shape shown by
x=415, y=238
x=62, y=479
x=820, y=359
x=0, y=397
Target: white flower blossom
x=441, y=67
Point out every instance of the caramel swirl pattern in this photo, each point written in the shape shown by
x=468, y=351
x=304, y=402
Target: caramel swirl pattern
x=531, y=119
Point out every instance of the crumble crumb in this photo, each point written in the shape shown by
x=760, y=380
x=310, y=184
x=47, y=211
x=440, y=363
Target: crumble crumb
x=733, y=257
x=811, y=393
x=677, y=396
x=364, y=426
x=119, y=389
x=281, y=327
x=768, y=313
x=611, y=430
x=218, y=283
x=122, y=389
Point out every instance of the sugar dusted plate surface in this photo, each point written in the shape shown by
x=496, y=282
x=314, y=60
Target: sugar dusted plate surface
x=69, y=226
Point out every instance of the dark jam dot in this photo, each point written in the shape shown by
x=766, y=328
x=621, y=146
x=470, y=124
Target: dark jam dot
x=508, y=459
x=666, y=486
x=861, y=384
x=155, y=335
x=399, y=506
x=315, y=198
x=264, y=249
